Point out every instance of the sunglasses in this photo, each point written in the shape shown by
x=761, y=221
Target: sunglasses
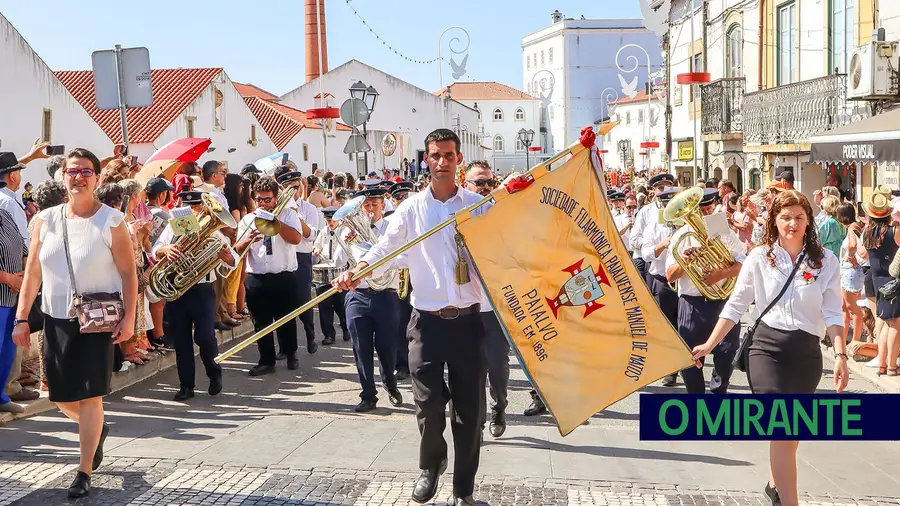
x=401, y=196
x=83, y=172
x=264, y=200
x=630, y=207
x=483, y=182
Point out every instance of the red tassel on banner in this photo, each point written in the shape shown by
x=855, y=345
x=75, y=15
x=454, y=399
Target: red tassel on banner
x=588, y=137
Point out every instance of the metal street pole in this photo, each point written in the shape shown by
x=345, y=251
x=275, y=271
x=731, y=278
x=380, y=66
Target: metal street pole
x=321, y=93
x=123, y=117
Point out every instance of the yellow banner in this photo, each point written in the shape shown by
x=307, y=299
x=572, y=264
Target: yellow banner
x=583, y=323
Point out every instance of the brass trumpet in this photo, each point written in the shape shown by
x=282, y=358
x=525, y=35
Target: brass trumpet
x=271, y=228
x=712, y=254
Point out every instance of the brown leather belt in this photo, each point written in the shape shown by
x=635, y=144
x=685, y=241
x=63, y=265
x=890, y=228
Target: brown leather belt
x=453, y=312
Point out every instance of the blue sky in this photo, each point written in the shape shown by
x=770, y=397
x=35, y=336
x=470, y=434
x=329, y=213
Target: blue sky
x=261, y=41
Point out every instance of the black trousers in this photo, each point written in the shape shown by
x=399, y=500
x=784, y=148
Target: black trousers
x=304, y=288
x=402, y=335
x=641, y=267
x=458, y=344
x=665, y=297
x=270, y=297
x=697, y=318
x=192, y=319
x=497, y=350
x=327, y=309
x=372, y=320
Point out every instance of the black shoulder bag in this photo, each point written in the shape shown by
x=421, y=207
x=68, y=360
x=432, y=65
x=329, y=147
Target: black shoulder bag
x=741, y=358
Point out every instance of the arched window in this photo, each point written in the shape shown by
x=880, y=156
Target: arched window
x=717, y=173
x=520, y=113
x=498, y=144
x=733, y=52
x=520, y=147
x=498, y=114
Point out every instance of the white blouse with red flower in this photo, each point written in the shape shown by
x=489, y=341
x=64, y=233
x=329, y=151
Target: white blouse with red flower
x=811, y=303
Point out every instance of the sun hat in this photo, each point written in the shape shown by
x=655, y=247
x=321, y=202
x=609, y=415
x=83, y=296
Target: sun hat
x=878, y=206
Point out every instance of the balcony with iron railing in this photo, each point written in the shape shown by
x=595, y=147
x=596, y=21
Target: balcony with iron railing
x=722, y=115
x=793, y=113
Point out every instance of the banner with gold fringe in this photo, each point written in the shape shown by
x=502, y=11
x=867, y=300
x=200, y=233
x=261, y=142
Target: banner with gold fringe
x=571, y=301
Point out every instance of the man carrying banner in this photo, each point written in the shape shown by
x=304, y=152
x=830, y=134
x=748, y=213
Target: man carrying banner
x=654, y=249
x=447, y=300
x=697, y=314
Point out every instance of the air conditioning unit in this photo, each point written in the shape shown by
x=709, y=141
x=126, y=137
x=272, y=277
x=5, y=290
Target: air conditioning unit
x=873, y=71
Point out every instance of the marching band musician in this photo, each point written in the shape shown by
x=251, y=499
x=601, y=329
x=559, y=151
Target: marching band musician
x=326, y=248
x=372, y=315
x=625, y=221
x=272, y=276
x=617, y=199
x=195, y=311
x=399, y=192
x=290, y=179
x=697, y=315
x=654, y=249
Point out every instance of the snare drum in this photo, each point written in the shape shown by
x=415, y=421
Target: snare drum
x=324, y=274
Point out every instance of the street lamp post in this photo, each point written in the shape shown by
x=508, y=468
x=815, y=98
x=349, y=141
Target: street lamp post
x=526, y=137
x=369, y=95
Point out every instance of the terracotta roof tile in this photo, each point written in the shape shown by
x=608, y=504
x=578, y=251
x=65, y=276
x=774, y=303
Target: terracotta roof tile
x=640, y=97
x=280, y=122
x=250, y=90
x=173, y=91
x=484, y=91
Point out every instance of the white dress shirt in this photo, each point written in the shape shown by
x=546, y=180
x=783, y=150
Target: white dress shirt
x=381, y=227
x=644, y=215
x=283, y=257
x=655, y=233
x=327, y=244
x=620, y=221
x=432, y=262
x=215, y=192
x=168, y=237
x=314, y=219
x=11, y=203
x=809, y=305
x=685, y=285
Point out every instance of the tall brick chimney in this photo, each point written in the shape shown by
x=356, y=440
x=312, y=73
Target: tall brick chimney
x=312, y=41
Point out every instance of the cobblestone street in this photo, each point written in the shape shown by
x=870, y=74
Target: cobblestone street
x=293, y=438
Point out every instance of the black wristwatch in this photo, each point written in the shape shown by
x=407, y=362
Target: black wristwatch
x=836, y=355
x=20, y=321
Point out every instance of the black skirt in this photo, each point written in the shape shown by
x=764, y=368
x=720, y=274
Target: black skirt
x=77, y=366
x=784, y=361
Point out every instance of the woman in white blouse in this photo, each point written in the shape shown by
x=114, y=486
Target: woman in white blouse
x=785, y=357
x=78, y=367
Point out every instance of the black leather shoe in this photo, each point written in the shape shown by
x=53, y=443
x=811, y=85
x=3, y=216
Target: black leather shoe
x=312, y=347
x=184, y=394
x=328, y=341
x=346, y=335
x=215, y=384
x=464, y=501
x=427, y=484
x=81, y=486
x=498, y=423
x=280, y=356
x=98, y=453
x=293, y=363
x=222, y=326
x=670, y=380
x=259, y=370
x=401, y=375
x=537, y=405
x=365, y=406
x=772, y=494
x=395, y=397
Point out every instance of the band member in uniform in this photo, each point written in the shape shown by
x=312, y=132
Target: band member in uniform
x=697, y=315
x=400, y=192
x=654, y=250
x=272, y=276
x=326, y=248
x=625, y=221
x=647, y=213
x=194, y=313
x=449, y=325
x=617, y=199
x=308, y=215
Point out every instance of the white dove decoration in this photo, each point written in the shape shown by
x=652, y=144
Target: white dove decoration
x=459, y=70
x=655, y=20
x=629, y=89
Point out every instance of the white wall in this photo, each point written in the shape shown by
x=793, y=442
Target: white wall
x=813, y=56
x=238, y=120
x=336, y=161
x=636, y=132
x=889, y=14
x=508, y=129
x=27, y=88
x=401, y=107
x=745, y=13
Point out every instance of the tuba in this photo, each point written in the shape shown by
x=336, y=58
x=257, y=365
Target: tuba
x=710, y=256
x=353, y=217
x=170, y=279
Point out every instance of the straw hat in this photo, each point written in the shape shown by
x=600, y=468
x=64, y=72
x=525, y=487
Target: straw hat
x=878, y=206
x=884, y=190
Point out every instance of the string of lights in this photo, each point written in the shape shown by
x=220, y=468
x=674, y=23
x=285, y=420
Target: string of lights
x=390, y=47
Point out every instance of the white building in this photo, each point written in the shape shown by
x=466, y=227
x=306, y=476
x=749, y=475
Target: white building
x=503, y=111
x=34, y=104
x=186, y=103
x=408, y=112
x=571, y=67
x=638, y=120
